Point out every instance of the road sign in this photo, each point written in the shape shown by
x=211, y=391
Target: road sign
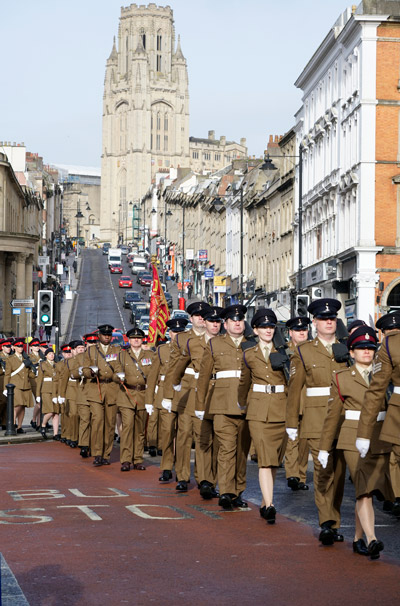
x=22, y=303
x=16, y=311
x=208, y=273
x=28, y=310
x=43, y=260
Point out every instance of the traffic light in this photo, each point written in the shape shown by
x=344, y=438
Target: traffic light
x=45, y=307
x=302, y=302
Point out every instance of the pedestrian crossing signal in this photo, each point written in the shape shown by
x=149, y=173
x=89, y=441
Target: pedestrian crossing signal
x=45, y=307
x=302, y=302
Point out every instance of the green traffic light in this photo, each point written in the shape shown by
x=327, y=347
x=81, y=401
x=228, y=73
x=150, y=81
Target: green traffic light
x=44, y=318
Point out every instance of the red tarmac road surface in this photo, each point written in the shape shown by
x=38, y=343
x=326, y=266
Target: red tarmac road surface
x=95, y=536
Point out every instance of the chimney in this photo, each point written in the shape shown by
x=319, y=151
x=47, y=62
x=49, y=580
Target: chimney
x=243, y=141
x=211, y=135
x=222, y=140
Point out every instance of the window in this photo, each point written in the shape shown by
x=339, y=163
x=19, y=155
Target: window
x=158, y=142
x=207, y=156
x=165, y=142
x=143, y=37
x=195, y=155
x=217, y=157
x=159, y=48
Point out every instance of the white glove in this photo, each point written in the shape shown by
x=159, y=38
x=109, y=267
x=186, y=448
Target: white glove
x=362, y=445
x=177, y=387
x=149, y=408
x=54, y=400
x=167, y=404
x=38, y=399
x=80, y=371
x=4, y=392
x=242, y=408
x=61, y=400
x=199, y=414
x=94, y=369
x=323, y=457
x=121, y=376
x=292, y=432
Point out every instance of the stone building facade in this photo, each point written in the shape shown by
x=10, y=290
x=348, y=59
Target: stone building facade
x=211, y=154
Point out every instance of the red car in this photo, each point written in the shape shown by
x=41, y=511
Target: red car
x=116, y=269
x=146, y=280
x=125, y=282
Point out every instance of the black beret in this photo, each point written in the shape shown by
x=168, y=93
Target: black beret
x=48, y=350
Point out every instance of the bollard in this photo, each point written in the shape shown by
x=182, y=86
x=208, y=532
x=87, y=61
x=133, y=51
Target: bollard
x=10, y=430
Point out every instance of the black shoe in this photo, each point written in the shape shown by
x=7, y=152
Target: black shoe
x=48, y=426
x=105, y=461
x=118, y=440
x=34, y=425
x=338, y=538
x=67, y=442
x=238, y=502
x=57, y=437
x=20, y=430
x=326, y=536
x=63, y=440
x=214, y=493
x=293, y=483
x=152, y=451
x=182, y=486
x=84, y=452
x=73, y=444
x=374, y=548
x=43, y=433
x=159, y=452
x=387, y=506
x=268, y=513
x=146, y=449
x=303, y=486
x=225, y=501
x=360, y=547
x=396, y=508
x=98, y=461
x=206, y=490
x=166, y=476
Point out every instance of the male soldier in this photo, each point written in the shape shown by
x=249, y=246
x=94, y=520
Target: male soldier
x=62, y=376
x=131, y=370
x=296, y=454
x=6, y=351
x=154, y=398
x=101, y=393
x=153, y=431
x=385, y=374
x=184, y=436
x=18, y=371
x=312, y=365
x=90, y=340
x=68, y=391
x=223, y=359
x=35, y=355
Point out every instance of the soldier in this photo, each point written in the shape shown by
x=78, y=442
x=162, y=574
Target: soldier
x=131, y=370
x=296, y=454
x=370, y=475
x=90, y=340
x=68, y=391
x=101, y=393
x=185, y=429
x=35, y=355
x=312, y=365
x=385, y=374
x=154, y=398
x=223, y=359
x=262, y=392
x=47, y=392
x=18, y=371
x=62, y=379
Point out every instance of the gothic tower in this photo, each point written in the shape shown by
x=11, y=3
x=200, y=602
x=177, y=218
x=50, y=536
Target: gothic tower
x=145, y=112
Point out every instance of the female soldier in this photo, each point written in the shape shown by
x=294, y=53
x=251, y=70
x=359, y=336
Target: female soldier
x=371, y=474
x=263, y=386
x=47, y=392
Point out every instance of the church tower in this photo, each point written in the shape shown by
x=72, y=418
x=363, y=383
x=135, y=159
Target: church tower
x=145, y=113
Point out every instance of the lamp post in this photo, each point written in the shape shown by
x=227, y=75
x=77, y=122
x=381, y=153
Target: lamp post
x=78, y=217
x=126, y=219
x=135, y=218
x=183, y=251
x=167, y=213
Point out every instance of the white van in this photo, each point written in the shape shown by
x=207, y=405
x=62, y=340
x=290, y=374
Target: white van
x=138, y=263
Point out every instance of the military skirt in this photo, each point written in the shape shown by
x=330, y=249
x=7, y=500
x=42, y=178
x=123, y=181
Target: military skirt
x=371, y=475
x=48, y=406
x=269, y=440
x=23, y=397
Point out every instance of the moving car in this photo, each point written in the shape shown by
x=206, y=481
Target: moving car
x=168, y=298
x=106, y=247
x=137, y=311
x=118, y=338
x=131, y=297
x=116, y=269
x=125, y=282
x=180, y=313
x=144, y=323
x=146, y=280
x=124, y=249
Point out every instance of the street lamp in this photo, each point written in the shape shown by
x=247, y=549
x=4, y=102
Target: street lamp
x=183, y=251
x=126, y=219
x=78, y=217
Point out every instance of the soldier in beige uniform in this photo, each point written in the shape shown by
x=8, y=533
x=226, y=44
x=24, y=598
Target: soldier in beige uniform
x=77, y=363
x=154, y=398
x=35, y=356
x=131, y=372
x=47, y=392
x=385, y=374
x=101, y=393
x=312, y=366
x=187, y=382
x=370, y=475
x=223, y=359
x=263, y=392
x=6, y=352
x=62, y=375
x=68, y=391
x=19, y=373
x=296, y=453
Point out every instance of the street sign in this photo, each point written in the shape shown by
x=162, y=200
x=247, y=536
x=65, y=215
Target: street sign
x=43, y=260
x=208, y=273
x=22, y=303
x=28, y=310
x=16, y=311
x=202, y=255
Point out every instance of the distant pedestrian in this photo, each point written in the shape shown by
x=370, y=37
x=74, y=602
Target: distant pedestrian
x=48, y=330
x=189, y=290
x=41, y=331
x=74, y=266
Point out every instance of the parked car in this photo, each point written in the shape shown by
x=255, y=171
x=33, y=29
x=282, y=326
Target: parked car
x=125, y=282
x=124, y=249
x=168, y=298
x=115, y=269
x=146, y=280
x=137, y=311
x=180, y=313
x=131, y=297
x=139, y=275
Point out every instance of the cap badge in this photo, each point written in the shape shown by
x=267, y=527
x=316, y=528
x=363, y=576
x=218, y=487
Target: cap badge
x=367, y=337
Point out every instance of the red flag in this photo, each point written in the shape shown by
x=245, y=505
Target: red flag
x=159, y=312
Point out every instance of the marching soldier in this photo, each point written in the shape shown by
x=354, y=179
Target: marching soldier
x=62, y=380
x=18, y=371
x=131, y=372
x=35, y=356
x=154, y=398
x=296, y=453
x=68, y=392
x=312, y=366
x=101, y=393
x=76, y=364
x=263, y=392
x=6, y=351
x=222, y=360
x=47, y=392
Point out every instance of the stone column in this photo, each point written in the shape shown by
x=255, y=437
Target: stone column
x=21, y=258
x=28, y=276
x=8, y=281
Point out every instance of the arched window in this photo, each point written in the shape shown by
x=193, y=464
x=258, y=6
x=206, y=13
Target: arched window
x=159, y=49
x=393, y=300
x=143, y=37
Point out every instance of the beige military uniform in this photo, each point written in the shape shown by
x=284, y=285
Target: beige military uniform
x=68, y=390
x=19, y=375
x=130, y=403
x=47, y=387
x=101, y=392
x=222, y=360
x=312, y=367
x=80, y=394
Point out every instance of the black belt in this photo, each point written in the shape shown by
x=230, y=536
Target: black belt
x=105, y=380
x=137, y=387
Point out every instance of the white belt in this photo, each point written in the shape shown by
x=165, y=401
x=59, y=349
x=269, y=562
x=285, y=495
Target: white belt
x=228, y=374
x=354, y=415
x=162, y=377
x=72, y=380
x=396, y=389
x=47, y=379
x=191, y=371
x=156, y=389
x=269, y=388
x=318, y=391
x=15, y=372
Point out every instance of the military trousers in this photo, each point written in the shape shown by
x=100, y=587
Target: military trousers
x=184, y=439
x=132, y=435
x=102, y=428
x=168, y=432
x=394, y=468
x=206, y=444
x=234, y=444
x=72, y=420
x=296, y=459
x=153, y=438
x=84, y=424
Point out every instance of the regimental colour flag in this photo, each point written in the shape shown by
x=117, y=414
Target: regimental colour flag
x=159, y=312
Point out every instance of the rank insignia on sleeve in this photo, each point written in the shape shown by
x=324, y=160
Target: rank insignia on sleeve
x=376, y=367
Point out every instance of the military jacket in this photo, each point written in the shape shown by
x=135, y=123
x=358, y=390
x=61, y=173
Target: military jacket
x=67, y=385
x=132, y=393
x=256, y=371
x=156, y=377
x=220, y=356
x=17, y=373
x=186, y=380
x=102, y=387
x=47, y=379
x=385, y=370
x=80, y=381
x=311, y=366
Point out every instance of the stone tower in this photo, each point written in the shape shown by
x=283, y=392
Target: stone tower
x=145, y=112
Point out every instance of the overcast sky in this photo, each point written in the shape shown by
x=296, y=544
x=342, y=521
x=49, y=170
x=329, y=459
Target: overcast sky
x=243, y=58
